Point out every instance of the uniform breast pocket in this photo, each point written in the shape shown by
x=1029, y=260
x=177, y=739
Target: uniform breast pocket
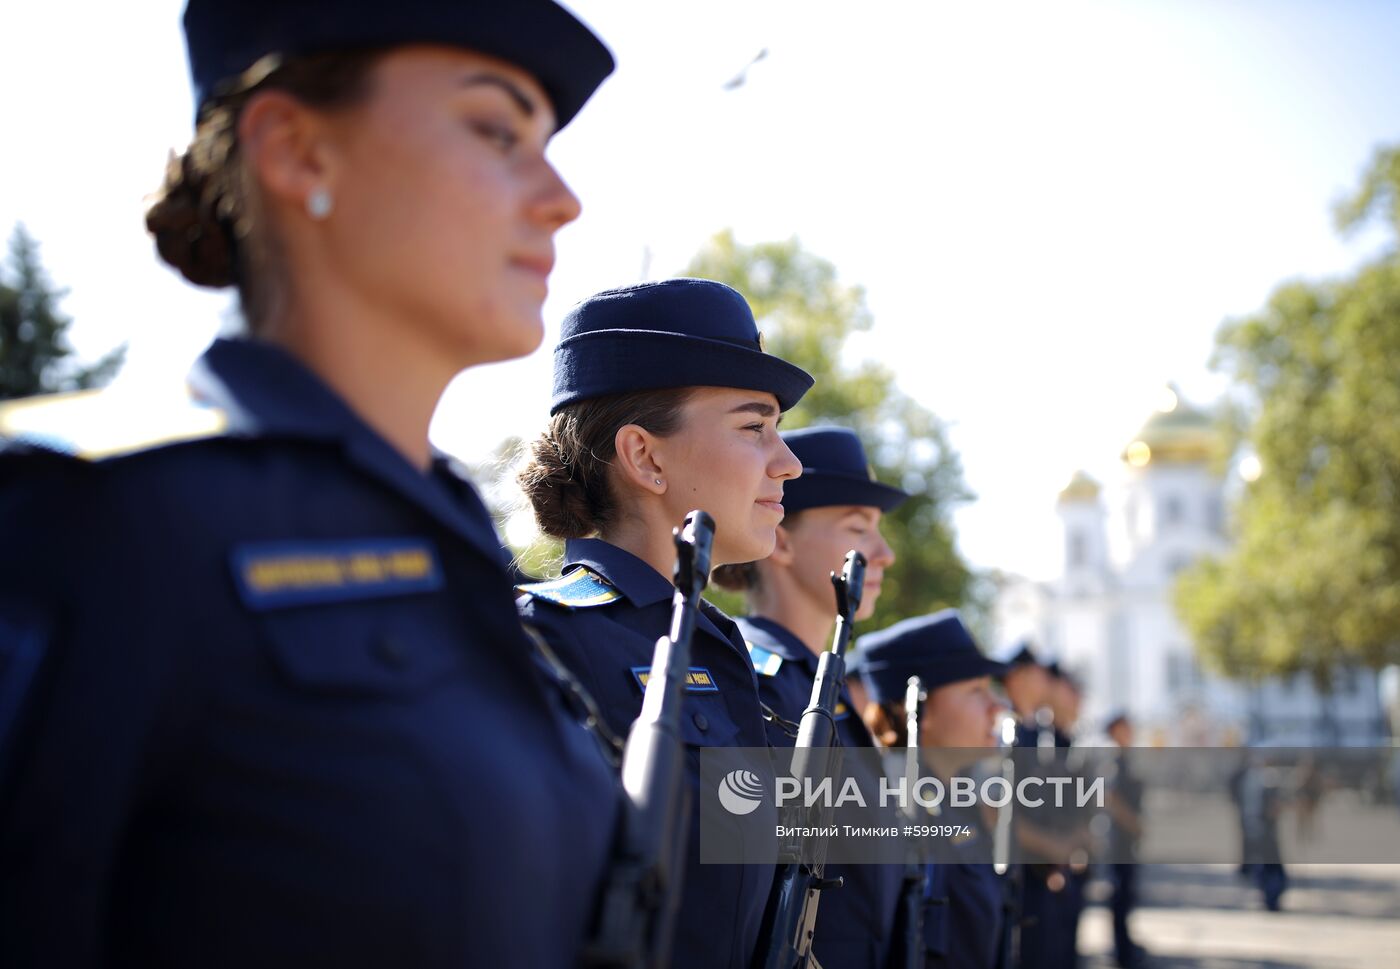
x=383, y=648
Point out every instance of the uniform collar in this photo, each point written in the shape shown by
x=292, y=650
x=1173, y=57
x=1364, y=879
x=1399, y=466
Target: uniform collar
x=266, y=392
x=776, y=638
x=639, y=582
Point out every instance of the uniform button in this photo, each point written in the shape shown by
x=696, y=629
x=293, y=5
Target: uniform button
x=702, y=721
x=391, y=651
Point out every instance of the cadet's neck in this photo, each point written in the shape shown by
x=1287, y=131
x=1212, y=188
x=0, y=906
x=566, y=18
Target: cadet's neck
x=653, y=546
x=783, y=601
x=808, y=625
x=392, y=383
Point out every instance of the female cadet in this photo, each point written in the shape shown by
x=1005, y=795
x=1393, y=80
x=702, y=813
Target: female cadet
x=664, y=401
x=267, y=663
x=834, y=507
x=959, y=720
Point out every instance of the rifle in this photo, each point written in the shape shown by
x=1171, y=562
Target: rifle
x=637, y=913
x=1001, y=851
x=909, y=918
x=794, y=917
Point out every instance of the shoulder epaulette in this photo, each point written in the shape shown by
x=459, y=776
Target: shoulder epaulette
x=12, y=449
x=97, y=424
x=580, y=589
x=765, y=662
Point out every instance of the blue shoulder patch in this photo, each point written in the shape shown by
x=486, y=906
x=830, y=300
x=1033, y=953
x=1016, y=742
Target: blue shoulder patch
x=765, y=663
x=581, y=588
x=97, y=424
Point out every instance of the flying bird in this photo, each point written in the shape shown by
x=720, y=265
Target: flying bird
x=738, y=79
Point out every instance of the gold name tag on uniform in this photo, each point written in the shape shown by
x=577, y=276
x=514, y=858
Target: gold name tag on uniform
x=697, y=679
x=277, y=575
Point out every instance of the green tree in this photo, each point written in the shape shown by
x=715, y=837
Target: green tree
x=806, y=316
x=1312, y=583
x=35, y=356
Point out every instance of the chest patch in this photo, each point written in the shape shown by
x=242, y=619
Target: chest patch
x=697, y=680
x=765, y=662
x=966, y=837
x=581, y=588
x=276, y=575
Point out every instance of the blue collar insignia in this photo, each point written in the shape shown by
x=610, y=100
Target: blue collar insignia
x=581, y=588
x=765, y=663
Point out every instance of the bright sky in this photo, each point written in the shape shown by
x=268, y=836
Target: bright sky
x=1051, y=206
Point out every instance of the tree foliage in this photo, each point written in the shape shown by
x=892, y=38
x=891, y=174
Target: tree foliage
x=806, y=316
x=1312, y=583
x=35, y=356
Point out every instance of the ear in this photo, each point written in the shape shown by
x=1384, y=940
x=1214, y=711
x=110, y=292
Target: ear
x=286, y=145
x=636, y=462
x=783, y=552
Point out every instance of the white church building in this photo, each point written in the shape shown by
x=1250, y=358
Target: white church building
x=1108, y=617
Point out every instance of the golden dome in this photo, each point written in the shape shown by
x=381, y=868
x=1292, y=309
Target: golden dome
x=1177, y=433
x=1081, y=487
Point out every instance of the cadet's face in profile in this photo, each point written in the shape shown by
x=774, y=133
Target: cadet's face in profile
x=1121, y=733
x=1027, y=685
x=728, y=459
x=445, y=207
x=820, y=539
x=962, y=714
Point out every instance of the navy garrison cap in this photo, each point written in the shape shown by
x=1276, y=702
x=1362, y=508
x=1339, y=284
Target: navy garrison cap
x=227, y=38
x=1021, y=654
x=834, y=472
x=938, y=649
x=659, y=335
x=1058, y=672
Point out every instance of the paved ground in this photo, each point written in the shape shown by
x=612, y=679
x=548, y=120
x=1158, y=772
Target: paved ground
x=1205, y=917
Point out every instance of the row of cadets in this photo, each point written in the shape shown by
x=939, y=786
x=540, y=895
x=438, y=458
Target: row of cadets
x=835, y=506
x=963, y=908
x=664, y=401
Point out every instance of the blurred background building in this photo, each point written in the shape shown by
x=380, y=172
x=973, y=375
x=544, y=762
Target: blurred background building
x=1108, y=616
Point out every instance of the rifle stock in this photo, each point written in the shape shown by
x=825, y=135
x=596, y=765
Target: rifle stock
x=637, y=912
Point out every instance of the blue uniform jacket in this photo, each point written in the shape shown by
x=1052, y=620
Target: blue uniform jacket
x=855, y=921
x=266, y=701
x=1044, y=915
x=607, y=640
x=964, y=899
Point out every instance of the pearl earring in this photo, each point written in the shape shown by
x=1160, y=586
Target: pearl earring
x=319, y=203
